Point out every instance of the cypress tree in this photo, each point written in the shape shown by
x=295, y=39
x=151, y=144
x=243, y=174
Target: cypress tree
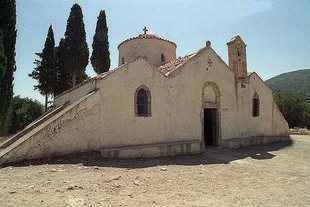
x=8, y=27
x=63, y=77
x=100, y=57
x=45, y=70
x=2, y=57
x=76, y=52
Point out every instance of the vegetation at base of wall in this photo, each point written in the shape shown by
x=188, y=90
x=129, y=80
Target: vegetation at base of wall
x=9, y=32
x=100, y=57
x=22, y=111
x=295, y=108
x=76, y=52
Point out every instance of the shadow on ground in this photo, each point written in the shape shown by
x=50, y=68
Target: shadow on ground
x=212, y=155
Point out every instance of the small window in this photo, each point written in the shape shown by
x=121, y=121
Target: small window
x=162, y=58
x=143, y=101
x=238, y=51
x=123, y=60
x=255, y=105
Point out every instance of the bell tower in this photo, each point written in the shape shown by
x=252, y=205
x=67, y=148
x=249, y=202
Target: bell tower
x=237, y=57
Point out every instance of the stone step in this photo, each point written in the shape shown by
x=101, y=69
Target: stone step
x=153, y=150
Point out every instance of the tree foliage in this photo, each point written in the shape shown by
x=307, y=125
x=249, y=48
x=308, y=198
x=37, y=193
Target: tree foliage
x=295, y=109
x=63, y=77
x=295, y=82
x=45, y=71
x=22, y=111
x=8, y=27
x=100, y=57
x=76, y=52
x=3, y=58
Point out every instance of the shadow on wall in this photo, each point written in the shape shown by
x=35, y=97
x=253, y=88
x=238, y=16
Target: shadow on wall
x=212, y=155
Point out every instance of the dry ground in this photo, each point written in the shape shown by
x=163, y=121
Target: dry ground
x=269, y=175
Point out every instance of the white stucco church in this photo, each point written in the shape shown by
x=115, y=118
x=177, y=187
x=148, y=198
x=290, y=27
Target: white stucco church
x=155, y=104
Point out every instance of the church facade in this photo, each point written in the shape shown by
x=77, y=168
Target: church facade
x=155, y=104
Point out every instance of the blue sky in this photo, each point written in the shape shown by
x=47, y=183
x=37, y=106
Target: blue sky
x=277, y=33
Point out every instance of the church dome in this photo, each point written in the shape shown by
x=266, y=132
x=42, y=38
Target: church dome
x=154, y=49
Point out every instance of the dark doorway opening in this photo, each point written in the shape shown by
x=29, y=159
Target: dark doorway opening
x=210, y=127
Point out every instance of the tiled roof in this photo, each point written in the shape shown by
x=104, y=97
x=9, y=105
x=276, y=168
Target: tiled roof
x=167, y=67
x=146, y=36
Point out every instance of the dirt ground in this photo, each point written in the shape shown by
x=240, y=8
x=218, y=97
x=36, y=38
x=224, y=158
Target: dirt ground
x=268, y=175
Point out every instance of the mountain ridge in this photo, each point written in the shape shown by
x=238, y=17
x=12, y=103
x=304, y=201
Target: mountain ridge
x=295, y=81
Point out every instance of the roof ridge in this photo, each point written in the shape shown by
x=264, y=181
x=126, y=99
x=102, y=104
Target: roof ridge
x=146, y=36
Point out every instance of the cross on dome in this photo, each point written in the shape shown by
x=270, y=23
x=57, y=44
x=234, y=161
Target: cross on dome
x=145, y=30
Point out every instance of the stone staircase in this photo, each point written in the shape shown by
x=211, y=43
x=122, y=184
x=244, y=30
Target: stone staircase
x=33, y=125
x=32, y=141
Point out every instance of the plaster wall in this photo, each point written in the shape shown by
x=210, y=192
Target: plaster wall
x=119, y=125
x=192, y=78
x=76, y=94
x=279, y=125
x=72, y=130
x=150, y=49
x=106, y=117
x=173, y=98
x=270, y=121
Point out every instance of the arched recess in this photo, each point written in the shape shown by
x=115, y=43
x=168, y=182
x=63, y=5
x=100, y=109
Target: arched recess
x=210, y=95
x=143, y=101
x=255, y=105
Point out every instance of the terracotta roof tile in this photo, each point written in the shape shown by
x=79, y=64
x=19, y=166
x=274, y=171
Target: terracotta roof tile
x=146, y=36
x=167, y=67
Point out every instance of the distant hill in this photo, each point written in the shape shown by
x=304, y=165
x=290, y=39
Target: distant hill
x=296, y=82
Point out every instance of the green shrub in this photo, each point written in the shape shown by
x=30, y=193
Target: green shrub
x=22, y=111
x=295, y=109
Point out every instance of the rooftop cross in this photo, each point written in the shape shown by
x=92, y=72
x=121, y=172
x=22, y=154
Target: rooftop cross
x=145, y=30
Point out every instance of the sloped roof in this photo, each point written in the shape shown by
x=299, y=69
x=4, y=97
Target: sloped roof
x=146, y=36
x=235, y=38
x=100, y=76
x=166, y=69
x=169, y=66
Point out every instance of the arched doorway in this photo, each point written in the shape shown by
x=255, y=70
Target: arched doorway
x=210, y=114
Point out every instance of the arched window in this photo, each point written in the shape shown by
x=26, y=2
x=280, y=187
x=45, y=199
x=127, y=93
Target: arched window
x=255, y=105
x=143, y=101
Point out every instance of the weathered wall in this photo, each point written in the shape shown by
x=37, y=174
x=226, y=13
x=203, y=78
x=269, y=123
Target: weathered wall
x=118, y=110
x=279, y=125
x=262, y=125
x=72, y=130
x=187, y=85
x=106, y=117
x=150, y=49
x=77, y=93
x=173, y=98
